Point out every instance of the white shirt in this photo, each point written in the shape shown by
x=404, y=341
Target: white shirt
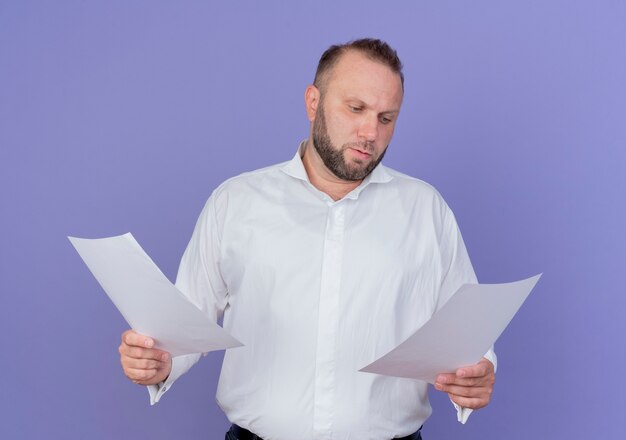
x=316, y=289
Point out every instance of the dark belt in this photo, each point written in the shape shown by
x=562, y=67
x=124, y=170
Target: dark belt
x=243, y=434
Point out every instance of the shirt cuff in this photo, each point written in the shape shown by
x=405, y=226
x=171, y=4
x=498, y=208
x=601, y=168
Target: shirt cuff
x=180, y=365
x=462, y=414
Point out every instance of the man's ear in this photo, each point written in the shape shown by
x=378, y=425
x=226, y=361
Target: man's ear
x=311, y=101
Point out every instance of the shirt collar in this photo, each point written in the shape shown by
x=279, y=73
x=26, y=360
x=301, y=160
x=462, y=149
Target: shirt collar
x=295, y=168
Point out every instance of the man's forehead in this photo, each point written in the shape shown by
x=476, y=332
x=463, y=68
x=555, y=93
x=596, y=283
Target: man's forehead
x=353, y=59
x=358, y=77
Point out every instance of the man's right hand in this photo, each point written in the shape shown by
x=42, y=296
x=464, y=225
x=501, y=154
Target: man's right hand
x=143, y=364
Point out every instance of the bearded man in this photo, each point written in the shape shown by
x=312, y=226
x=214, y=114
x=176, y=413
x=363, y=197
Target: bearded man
x=320, y=265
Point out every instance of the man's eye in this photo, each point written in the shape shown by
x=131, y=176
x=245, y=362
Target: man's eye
x=355, y=109
x=385, y=120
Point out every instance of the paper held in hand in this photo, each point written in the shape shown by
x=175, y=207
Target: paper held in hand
x=458, y=334
x=148, y=301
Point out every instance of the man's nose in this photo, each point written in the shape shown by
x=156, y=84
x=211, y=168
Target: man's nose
x=368, y=130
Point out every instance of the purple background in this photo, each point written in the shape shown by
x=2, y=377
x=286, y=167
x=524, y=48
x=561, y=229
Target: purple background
x=123, y=116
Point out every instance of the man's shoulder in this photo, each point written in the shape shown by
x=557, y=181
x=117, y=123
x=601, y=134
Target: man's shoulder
x=412, y=184
x=252, y=178
x=421, y=195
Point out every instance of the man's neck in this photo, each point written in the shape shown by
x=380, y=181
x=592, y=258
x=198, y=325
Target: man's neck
x=321, y=178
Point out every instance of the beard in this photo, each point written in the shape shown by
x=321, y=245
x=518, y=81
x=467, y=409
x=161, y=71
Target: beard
x=334, y=158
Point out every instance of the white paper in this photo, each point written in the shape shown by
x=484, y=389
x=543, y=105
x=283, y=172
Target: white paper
x=148, y=301
x=458, y=334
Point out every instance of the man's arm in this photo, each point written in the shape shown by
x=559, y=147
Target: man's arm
x=199, y=279
x=469, y=387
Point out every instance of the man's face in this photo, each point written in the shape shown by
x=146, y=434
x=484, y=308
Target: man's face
x=356, y=115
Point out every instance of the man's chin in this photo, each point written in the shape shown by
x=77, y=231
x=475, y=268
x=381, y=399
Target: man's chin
x=359, y=165
x=357, y=173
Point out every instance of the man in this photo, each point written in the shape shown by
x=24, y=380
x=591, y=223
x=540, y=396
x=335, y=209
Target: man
x=320, y=265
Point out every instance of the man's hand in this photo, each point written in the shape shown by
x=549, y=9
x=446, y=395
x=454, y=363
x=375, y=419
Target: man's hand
x=143, y=364
x=469, y=387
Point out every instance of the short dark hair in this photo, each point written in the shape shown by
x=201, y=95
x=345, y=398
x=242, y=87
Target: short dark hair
x=374, y=49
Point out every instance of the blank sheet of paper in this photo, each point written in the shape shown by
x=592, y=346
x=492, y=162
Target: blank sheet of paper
x=148, y=301
x=458, y=334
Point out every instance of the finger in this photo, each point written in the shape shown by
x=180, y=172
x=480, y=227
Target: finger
x=472, y=382
x=140, y=375
x=469, y=402
x=480, y=369
x=144, y=353
x=446, y=378
x=465, y=381
x=143, y=364
x=472, y=371
x=134, y=339
x=461, y=391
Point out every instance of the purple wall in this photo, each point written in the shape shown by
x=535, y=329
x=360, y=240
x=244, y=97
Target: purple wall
x=123, y=116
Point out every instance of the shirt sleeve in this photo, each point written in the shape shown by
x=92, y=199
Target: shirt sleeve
x=456, y=266
x=456, y=270
x=199, y=279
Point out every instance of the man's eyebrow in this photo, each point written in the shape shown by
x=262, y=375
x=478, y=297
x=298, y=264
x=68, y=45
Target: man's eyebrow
x=356, y=101
x=362, y=103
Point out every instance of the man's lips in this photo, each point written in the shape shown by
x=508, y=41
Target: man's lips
x=361, y=154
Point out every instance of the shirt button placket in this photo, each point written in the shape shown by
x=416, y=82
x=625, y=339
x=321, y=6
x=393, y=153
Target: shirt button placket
x=328, y=320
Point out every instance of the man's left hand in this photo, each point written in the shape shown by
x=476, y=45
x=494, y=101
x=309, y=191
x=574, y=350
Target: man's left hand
x=469, y=387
